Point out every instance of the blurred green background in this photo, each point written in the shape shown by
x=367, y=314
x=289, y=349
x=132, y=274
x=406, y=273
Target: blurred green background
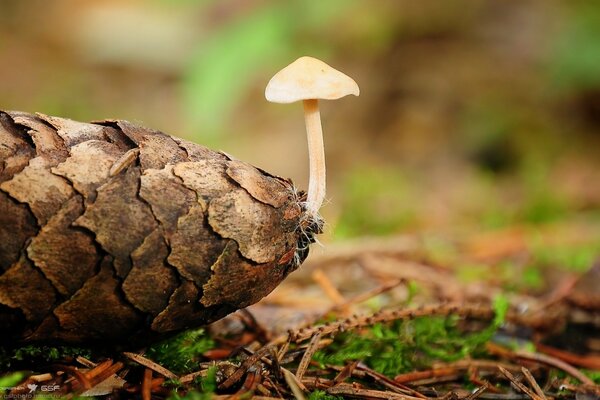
x=473, y=115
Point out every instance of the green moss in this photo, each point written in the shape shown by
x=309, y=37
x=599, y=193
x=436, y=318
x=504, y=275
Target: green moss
x=39, y=354
x=209, y=383
x=182, y=352
x=321, y=395
x=408, y=345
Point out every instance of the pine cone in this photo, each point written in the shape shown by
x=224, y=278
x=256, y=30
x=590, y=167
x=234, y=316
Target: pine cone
x=112, y=232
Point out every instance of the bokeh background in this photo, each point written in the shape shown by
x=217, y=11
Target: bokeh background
x=474, y=116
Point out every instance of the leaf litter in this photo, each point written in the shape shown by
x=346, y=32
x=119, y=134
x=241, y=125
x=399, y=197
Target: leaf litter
x=388, y=320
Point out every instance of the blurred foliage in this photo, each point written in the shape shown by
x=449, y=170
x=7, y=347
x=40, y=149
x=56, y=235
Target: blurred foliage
x=376, y=200
x=11, y=380
x=594, y=375
x=577, y=257
x=214, y=82
x=576, y=55
x=476, y=114
x=225, y=66
x=530, y=276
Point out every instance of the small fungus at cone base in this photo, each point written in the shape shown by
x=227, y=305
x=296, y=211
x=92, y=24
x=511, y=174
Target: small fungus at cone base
x=311, y=80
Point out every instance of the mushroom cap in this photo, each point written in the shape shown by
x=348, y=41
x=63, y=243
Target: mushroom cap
x=309, y=78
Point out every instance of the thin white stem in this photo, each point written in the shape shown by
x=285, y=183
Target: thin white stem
x=316, y=156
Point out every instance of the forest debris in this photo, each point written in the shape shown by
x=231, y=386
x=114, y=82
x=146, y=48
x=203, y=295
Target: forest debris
x=354, y=390
x=477, y=393
x=452, y=369
x=88, y=381
x=308, y=353
x=589, y=362
x=479, y=311
x=495, y=245
x=85, y=362
x=551, y=361
x=536, y=387
x=107, y=386
x=369, y=294
x=192, y=376
x=559, y=293
x=345, y=373
x=266, y=371
x=98, y=369
x=85, y=381
x=147, y=384
x=395, y=246
x=150, y=364
x=386, y=267
x=518, y=385
x=328, y=287
x=102, y=382
x=250, y=384
x=540, y=358
x=294, y=384
x=239, y=372
x=411, y=377
x=263, y=371
x=124, y=161
x=389, y=383
x=41, y=377
x=585, y=293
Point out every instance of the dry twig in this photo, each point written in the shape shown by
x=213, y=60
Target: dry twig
x=477, y=393
x=294, y=384
x=150, y=364
x=147, y=384
x=538, y=390
x=328, y=287
x=248, y=362
x=540, y=358
x=518, y=384
x=308, y=354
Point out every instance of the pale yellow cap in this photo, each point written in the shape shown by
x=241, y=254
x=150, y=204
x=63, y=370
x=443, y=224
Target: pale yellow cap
x=309, y=78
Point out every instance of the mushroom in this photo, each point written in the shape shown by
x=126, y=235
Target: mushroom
x=309, y=80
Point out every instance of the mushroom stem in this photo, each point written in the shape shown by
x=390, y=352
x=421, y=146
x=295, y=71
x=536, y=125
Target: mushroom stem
x=316, y=156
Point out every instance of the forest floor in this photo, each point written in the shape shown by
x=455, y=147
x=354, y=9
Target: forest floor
x=508, y=314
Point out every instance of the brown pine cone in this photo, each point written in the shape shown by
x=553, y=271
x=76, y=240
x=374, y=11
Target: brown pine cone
x=112, y=232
